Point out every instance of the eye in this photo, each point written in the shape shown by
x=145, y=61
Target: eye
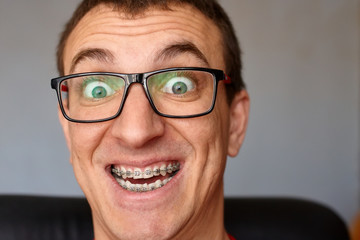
x=178, y=85
x=97, y=90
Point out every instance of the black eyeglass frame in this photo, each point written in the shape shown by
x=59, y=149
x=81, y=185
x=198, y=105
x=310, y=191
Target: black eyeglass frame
x=141, y=78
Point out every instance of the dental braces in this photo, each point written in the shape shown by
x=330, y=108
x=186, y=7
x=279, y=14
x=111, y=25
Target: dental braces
x=147, y=173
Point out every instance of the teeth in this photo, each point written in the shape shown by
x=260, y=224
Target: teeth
x=163, y=170
x=169, y=168
x=138, y=187
x=122, y=173
x=137, y=173
x=148, y=173
x=129, y=173
x=127, y=184
x=156, y=171
x=119, y=180
x=165, y=181
x=122, y=182
x=116, y=171
x=158, y=184
x=145, y=187
x=142, y=187
x=152, y=186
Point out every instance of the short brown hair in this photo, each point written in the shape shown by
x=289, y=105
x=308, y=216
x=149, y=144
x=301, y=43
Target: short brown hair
x=210, y=8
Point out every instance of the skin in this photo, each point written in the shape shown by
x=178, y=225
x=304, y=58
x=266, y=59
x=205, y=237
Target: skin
x=191, y=205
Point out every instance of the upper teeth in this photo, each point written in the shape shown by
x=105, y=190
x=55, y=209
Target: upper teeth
x=148, y=172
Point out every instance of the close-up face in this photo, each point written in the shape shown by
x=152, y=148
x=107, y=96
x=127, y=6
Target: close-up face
x=147, y=176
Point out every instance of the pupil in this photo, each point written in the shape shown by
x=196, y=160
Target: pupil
x=179, y=88
x=99, y=92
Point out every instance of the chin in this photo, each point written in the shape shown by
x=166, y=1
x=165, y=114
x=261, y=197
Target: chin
x=149, y=226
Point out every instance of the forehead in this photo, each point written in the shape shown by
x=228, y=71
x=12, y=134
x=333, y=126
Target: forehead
x=145, y=33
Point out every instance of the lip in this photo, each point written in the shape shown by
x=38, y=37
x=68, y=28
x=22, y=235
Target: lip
x=144, y=200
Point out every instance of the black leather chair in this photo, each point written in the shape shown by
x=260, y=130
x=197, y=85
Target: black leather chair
x=54, y=218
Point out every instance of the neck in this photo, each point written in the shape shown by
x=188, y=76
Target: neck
x=208, y=224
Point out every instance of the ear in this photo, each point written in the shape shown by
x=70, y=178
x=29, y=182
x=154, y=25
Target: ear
x=65, y=126
x=239, y=115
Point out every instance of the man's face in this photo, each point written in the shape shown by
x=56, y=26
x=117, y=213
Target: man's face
x=139, y=139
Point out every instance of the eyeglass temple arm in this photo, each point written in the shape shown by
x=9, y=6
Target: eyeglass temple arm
x=227, y=79
x=64, y=88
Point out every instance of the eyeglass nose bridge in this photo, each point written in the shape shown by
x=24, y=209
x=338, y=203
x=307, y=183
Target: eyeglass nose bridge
x=136, y=78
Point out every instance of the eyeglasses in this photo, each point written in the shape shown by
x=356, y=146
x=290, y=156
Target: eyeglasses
x=173, y=92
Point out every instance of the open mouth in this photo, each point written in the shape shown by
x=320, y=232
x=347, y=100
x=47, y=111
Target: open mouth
x=144, y=180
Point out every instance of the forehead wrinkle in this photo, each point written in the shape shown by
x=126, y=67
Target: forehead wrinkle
x=117, y=30
x=190, y=44
x=145, y=29
x=194, y=28
x=187, y=11
x=145, y=23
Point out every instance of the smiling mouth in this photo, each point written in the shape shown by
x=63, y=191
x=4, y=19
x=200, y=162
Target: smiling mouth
x=144, y=180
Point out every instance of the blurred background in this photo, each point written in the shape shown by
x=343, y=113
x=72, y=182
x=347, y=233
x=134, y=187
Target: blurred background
x=301, y=65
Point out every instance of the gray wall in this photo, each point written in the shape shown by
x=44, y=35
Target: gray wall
x=301, y=65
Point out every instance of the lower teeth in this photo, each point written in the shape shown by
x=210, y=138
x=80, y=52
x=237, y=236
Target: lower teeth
x=142, y=187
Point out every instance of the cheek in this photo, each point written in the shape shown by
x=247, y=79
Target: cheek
x=219, y=125
x=217, y=142
x=85, y=138
x=207, y=135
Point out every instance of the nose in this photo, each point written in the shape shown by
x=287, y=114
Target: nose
x=137, y=123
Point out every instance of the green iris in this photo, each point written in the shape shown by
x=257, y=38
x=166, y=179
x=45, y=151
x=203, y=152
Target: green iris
x=179, y=88
x=101, y=86
x=99, y=92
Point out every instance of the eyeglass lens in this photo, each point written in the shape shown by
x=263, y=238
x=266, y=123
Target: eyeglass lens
x=174, y=93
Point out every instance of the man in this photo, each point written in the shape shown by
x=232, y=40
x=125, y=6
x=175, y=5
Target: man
x=147, y=140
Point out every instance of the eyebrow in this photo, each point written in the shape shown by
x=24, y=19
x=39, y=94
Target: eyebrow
x=176, y=49
x=99, y=54
x=169, y=52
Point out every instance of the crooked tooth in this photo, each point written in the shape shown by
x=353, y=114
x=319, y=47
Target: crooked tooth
x=148, y=173
x=156, y=171
x=169, y=168
x=163, y=170
x=137, y=173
